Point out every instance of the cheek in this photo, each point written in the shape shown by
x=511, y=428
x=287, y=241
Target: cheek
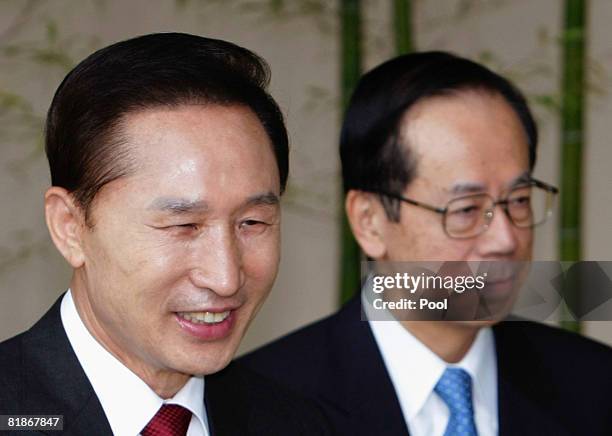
x=418, y=236
x=137, y=266
x=421, y=237
x=260, y=258
x=525, y=238
x=443, y=248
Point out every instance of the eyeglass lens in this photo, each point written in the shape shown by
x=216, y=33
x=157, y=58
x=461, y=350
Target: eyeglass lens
x=526, y=206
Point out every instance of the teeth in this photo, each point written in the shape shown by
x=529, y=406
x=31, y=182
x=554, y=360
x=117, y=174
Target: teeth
x=204, y=317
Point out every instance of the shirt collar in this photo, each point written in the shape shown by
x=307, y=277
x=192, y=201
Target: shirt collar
x=415, y=370
x=481, y=363
x=128, y=402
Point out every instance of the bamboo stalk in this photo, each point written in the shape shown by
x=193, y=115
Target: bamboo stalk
x=572, y=135
x=350, y=24
x=402, y=24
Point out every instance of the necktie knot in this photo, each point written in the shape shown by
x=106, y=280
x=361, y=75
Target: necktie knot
x=170, y=420
x=455, y=389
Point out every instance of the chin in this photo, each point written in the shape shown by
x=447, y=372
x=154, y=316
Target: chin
x=213, y=367
x=203, y=360
x=206, y=366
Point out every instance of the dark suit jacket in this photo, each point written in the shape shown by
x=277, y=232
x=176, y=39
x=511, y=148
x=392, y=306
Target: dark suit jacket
x=40, y=374
x=550, y=382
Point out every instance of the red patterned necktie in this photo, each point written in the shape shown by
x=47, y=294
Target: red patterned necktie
x=170, y=420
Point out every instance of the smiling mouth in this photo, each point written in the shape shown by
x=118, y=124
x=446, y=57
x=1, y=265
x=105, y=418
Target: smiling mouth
x=204, y=317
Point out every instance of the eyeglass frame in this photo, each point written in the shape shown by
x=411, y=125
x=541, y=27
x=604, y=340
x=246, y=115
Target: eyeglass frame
x=489, y=213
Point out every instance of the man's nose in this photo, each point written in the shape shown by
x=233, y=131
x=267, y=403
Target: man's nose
x=500, y=238
x=218, y=263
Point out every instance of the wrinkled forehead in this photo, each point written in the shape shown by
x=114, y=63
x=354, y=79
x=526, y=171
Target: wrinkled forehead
x=464, y=109
x=211, y=135
x=210, y=153
x=469, y=139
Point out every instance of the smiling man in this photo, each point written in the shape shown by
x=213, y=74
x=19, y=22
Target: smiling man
x=168, y=158
x=437, y=158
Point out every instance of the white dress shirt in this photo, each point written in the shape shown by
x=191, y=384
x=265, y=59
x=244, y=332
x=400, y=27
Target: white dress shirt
x=128, y=402
x=415, y=370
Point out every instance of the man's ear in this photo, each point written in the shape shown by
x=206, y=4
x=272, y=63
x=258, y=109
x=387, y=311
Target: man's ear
x=66, y=224
x=366, y=217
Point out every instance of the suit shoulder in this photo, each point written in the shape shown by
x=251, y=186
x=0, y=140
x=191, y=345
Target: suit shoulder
x=296, y=340
x=9, y=349
x=302, y=348
x=11, y=368
x=562, y=345
x=262, y=388
x=562, y=369
x=274, y=406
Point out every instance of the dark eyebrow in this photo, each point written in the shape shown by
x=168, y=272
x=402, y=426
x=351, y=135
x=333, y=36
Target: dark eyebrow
x=472, y=187
x=178, y=205
x=186, y=206
x=467, y=188
x=269, y=198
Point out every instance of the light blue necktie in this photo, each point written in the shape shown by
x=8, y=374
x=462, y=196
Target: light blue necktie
x=455, y=389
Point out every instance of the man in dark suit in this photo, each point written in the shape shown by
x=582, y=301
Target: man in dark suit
x=437, y=160
x=168, y=158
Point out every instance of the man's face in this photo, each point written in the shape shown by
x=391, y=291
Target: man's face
x=468, y=143
x=184, y=250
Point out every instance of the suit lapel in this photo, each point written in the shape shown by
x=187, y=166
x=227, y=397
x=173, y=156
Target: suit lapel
x=524, y=388
x=54, y=382
x=357, y=368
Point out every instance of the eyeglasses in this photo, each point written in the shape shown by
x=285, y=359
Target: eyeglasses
x=526, y=205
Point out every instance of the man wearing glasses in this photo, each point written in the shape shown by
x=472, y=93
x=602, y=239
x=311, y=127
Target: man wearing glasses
x=437, y=155
x=527, y=204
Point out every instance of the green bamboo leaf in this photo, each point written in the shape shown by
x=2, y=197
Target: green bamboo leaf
x=12, y=50
x=547, y=101
x=277, y=6
x=52, y=32
x=52, y=57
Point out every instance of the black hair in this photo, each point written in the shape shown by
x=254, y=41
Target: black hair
x=83, y=145
x=373, y=157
